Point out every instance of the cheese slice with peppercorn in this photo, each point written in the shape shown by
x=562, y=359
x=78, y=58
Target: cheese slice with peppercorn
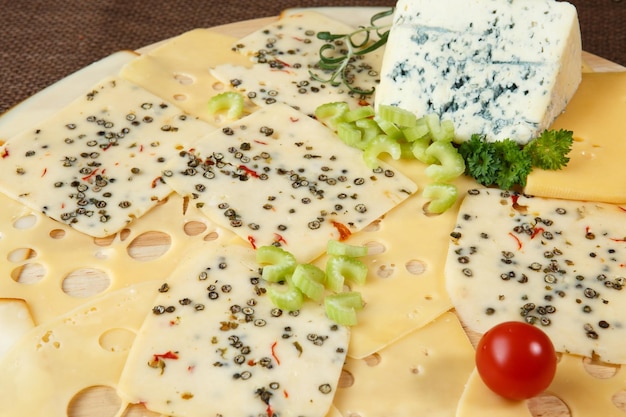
x=214, y=344
x=596, y=116
x=96, y=164
x=557, y=264
x=285, y=55
x=279, y=177
x=500, y=68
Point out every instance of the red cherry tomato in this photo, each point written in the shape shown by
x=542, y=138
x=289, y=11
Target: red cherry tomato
x=516, y=360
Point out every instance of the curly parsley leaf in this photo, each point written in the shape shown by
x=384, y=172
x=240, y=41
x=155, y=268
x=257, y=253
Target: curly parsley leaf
x=505, y=164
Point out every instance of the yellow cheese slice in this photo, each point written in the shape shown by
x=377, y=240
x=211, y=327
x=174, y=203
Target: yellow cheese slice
x=422, y=374
x=55, y=268
x=578, y=389
x=595, y=170
x=178, y=69
x=15, y=321
x=84, y=348
x=405, y=289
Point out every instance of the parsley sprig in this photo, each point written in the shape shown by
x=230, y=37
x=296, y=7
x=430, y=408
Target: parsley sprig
x=357, y=43
x=505, y=164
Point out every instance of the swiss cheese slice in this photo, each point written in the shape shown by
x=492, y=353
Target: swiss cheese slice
x=286, y=55
x=15, y=321
x=596, y=116
x=178, y=70
x=96, y=164
x=422, y=374
x=56, y=269
x=577, y=387
x=86, y=347
x=214, y=344
x=557, y=264
x=278, y=177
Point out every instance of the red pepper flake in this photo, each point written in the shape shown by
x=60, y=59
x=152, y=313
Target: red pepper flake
x=294, y=119
x=622, y=208
x=93, y=173
x=249, y=171
x=45, y=170
x=108, y=145
x=279, y=239
x=515, y=198
x=283, y=63
x=5, y=153
x=519, y=242
x=252, y=241
x=343, y=230
x=274, y=352
x=536, y=231
x=251, y=362
x=363, y=103
x=191, y=368
x=285, y=393
x=167, y=355
x=269, y=411
x=620, y=240
x=140, y=148
x=155, y=181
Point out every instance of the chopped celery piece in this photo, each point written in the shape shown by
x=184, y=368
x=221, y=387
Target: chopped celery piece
x=389, y=128
x=451, y=163
x=440, y=130
x=286, y=296
x=379, y=145
x=341, y=268
x=309, y=279
x=360, y=113
x=441, y=196
x=342, y=307
x=350, y=135
x=418, y=132
x=229, y=102
x=418, y=148
x=369, y=128
x=335, y=247
x=332, y=113
x=397, y=116
x=278, y=263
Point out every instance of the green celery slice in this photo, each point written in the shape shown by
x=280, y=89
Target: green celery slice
x=379, y=145
x=397, y=116
x=344, y=268
x=332, y=113
x=360, y=113
x=309, y=279
x=451, y=163
x=335, y=247
x=350, y=135
x=342, y=307
x=286, y=296
x=278, y=264
x=229, y=102
x=442, y=197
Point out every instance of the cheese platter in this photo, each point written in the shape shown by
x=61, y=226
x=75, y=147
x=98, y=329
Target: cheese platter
x=100, y=274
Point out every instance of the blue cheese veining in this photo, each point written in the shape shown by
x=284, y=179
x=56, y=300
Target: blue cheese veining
x=503, y=68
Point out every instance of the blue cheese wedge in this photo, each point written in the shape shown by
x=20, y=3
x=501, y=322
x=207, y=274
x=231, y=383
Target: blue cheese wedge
x=215, y=345
x=278, y=177
x=502, y=68
x=286, y=52
x=95, y=165
x=557, y=264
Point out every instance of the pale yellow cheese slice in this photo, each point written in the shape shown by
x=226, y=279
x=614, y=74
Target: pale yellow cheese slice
x=96, y=164
x=554, y=263
x=84, y=348
x=15, y=321
x=178, y=70
x=595, y=170
x=577, y=390
x=422, y=374
x=214, y=344
x=279, y=177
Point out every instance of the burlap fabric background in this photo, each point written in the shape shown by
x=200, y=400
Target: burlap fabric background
x=41, y=41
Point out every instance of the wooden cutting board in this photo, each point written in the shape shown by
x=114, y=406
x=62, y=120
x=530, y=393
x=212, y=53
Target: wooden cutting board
x=103, y=402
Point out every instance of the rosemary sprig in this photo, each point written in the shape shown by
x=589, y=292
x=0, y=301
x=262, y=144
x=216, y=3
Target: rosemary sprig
x=340, y=65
